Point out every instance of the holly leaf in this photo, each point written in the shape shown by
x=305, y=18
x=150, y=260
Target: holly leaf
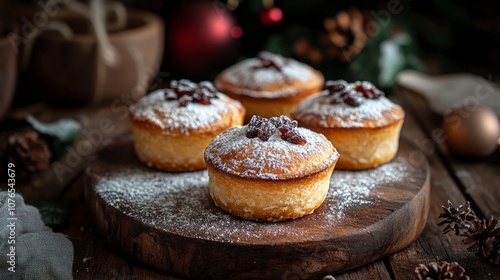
x=54, y=212
x=63, y=131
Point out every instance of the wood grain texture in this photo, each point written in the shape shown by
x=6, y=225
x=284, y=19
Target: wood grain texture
x=391, y=217
x=477, y=178
x=94, y=258
x=373, y=271
x=433, y=245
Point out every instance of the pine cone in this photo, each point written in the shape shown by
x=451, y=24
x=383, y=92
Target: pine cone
x=346, y=35
x=457, y=218
x=484, y=239
x=27, y=152
x=441, y=271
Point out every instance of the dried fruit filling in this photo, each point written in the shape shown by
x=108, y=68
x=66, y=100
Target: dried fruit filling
x=264, y=128
x=351, y=94
x=186, y=91
x=268, y=60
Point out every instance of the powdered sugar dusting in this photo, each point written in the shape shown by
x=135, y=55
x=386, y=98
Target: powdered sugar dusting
x=375, y=111
x=353, y=189
x=234, y=153
x=169, y=116
x=179, y=203
x=249, y=78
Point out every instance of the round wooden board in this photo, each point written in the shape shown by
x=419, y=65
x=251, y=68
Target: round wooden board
x=169, y=221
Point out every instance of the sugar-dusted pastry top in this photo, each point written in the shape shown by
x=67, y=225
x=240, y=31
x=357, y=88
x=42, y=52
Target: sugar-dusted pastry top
x=343, y=105
x=269, y=76
x=186, y=107
x=272, y=157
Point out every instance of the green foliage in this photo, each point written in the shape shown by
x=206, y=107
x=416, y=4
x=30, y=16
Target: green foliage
x=63, y=132
x=382, y=58
x=55, y=212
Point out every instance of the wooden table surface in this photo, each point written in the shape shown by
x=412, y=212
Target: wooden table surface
x=458, y=180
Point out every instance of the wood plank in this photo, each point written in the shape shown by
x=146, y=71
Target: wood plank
x=375, y=271
x=93, y=258
x=433, y=245
x=141, y=271
x=478, y=178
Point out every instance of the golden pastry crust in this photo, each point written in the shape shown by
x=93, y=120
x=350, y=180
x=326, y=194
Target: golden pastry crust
x=363, y=148
x=365, y=136
x=269, y=91
x=319, y=112
x=173, y=138
x=269, y=200
x=271, y=180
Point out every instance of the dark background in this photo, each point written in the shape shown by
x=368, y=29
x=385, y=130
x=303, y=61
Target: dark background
x=451, y=36
x=446, y=36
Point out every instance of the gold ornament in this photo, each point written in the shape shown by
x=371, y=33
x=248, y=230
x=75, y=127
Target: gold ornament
x=472, y=131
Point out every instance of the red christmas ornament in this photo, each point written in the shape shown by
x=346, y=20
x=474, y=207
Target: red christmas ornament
x=236, y=32
x=271, y=16
x=201, y=36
